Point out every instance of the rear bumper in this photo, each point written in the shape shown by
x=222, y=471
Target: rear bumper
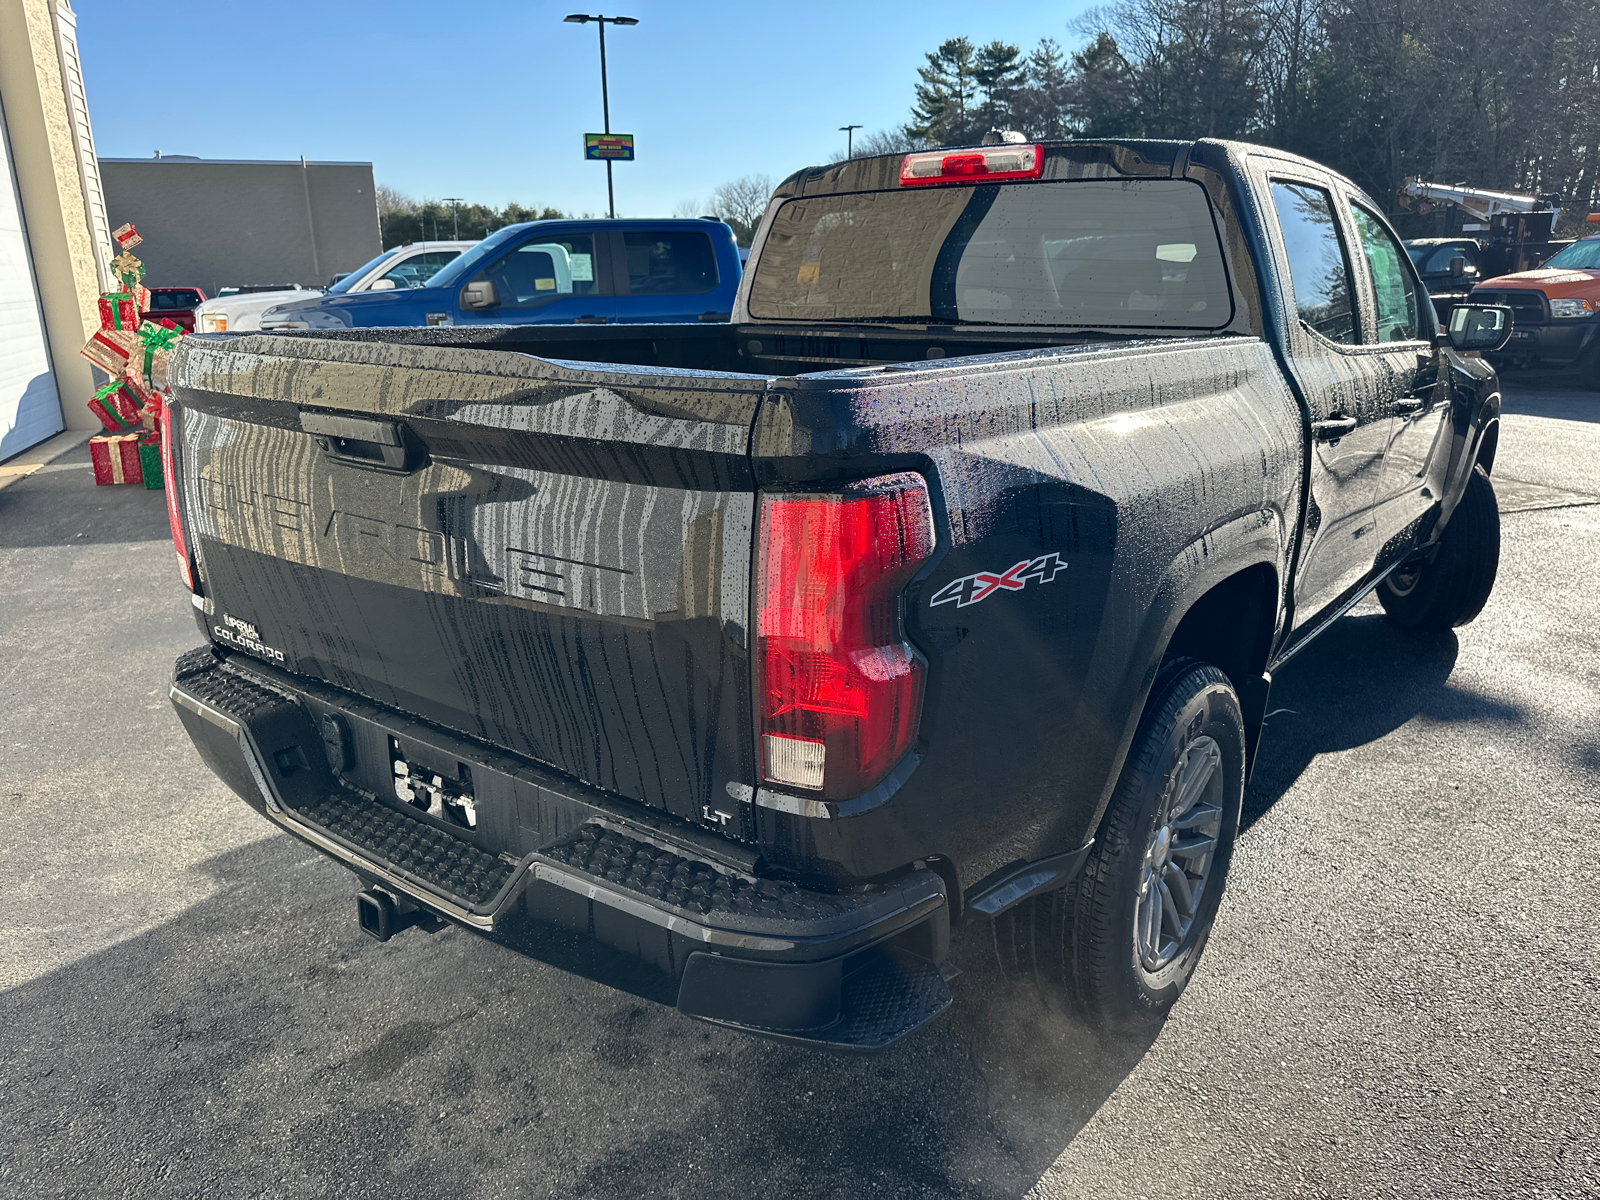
x=575, y=878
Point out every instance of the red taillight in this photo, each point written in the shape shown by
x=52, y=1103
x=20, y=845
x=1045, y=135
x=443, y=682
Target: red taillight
x=839, y=688
x=168, y=423
x=991, y=163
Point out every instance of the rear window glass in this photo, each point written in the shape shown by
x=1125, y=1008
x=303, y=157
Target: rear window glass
x=669, y=263
x=1135, y=254
x=178, y=298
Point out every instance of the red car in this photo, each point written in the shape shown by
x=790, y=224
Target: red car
x=175, y=305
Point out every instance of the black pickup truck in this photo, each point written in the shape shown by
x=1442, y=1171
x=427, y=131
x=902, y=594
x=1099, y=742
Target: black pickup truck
x=735, y=664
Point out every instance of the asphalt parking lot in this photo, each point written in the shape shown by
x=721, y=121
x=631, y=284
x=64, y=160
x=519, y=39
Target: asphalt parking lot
x=1402, y=997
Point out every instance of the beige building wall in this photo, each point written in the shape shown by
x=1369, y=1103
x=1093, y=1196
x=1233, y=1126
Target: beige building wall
x=45, y=148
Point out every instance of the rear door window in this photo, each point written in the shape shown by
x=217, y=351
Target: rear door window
x=1318, y=268
x=1095, y=253
x=669, y=262
x=545, y=269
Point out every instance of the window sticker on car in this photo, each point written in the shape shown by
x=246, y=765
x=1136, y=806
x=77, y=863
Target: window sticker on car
x=970, y=589
x=582, y=267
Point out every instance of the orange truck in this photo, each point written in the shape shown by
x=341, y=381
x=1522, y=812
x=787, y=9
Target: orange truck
x=1556, y=311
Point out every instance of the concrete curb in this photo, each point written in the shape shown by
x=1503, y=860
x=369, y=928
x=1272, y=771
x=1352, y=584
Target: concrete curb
x=46, y=452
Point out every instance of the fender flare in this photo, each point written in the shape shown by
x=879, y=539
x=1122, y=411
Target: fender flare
x=1255, y=538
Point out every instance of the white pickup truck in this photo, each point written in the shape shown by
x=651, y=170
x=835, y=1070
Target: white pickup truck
x=402, y=267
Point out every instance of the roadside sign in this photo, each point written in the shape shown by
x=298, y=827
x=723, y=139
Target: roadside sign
x=614, y=146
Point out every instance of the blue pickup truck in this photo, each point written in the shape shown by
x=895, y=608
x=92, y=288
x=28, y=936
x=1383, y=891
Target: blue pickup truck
x=554, y=273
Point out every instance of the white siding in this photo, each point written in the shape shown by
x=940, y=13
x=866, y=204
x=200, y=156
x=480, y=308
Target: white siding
x=30, y=409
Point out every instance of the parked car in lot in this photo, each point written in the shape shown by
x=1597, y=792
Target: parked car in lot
x=408, y=266
x=735, y=663
x=1449, y=268
x=174, y=305
x=554, y=272
x=1557, y=311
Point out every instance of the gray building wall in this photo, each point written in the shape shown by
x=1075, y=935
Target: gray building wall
x=212, y=223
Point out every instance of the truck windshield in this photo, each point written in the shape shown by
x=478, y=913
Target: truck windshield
x=345, y=284
x=1136, y=254
x=1580, y=256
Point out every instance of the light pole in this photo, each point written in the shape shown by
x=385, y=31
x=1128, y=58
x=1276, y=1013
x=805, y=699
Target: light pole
x=455, y=222
x=849, y=138
x=605, y=98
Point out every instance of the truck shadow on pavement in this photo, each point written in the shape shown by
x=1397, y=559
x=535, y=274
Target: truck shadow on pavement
x=1360, y=681
x=259, y=1044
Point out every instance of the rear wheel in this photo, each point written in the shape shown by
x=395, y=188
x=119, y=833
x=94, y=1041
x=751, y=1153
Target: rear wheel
x=1451, y=585
x=1127, y=936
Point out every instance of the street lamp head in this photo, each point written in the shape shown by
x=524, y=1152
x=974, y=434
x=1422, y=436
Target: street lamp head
x=578, y=19
x=624, y=20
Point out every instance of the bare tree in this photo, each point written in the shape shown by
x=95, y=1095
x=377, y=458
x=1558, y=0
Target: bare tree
x=393, y=200
x=896, y=140
x=741, y=203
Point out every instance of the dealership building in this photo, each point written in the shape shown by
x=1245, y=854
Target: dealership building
x=215, y=223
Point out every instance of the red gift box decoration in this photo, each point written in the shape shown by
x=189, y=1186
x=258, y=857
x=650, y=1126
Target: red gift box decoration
x=115, y=458
x=127, y=236
x=110, y=349
x=118, y=406
x=120, y=310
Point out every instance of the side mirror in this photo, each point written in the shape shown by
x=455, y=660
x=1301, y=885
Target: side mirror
x=1458, y=266
x=1481, y=327
x=480, y=294
x=381, y=285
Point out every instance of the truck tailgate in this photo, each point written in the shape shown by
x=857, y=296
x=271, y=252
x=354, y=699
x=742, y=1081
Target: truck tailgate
x=551, y=556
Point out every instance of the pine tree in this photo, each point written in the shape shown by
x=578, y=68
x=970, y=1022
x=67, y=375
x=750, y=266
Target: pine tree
x=1040, y=107
x=944, y=96
x=999, y=72
x=1101, y=91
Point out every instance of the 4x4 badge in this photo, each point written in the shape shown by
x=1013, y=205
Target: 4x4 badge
x=970, y=589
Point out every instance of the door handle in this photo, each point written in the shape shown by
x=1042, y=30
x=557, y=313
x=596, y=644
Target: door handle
x=1333, y=428
x=359, y=442
x=1408, y=404
x=588, y=320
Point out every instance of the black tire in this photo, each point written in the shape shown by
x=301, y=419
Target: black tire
x=1086, y=935
x=1452, y=586
x=1587, y=375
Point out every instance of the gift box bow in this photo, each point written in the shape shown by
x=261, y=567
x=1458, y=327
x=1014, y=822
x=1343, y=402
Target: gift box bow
x=155, y=339
x=128, y=269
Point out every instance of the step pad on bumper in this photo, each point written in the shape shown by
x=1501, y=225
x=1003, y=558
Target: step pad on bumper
x=413, y=848
x=689, y=884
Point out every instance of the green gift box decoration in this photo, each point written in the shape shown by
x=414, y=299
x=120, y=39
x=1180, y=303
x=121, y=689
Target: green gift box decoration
x=150, y=459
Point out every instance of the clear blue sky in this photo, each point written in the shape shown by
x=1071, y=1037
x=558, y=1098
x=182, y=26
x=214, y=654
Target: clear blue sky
x=489, y=100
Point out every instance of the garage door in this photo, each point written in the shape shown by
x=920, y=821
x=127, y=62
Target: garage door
x=30, y=410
